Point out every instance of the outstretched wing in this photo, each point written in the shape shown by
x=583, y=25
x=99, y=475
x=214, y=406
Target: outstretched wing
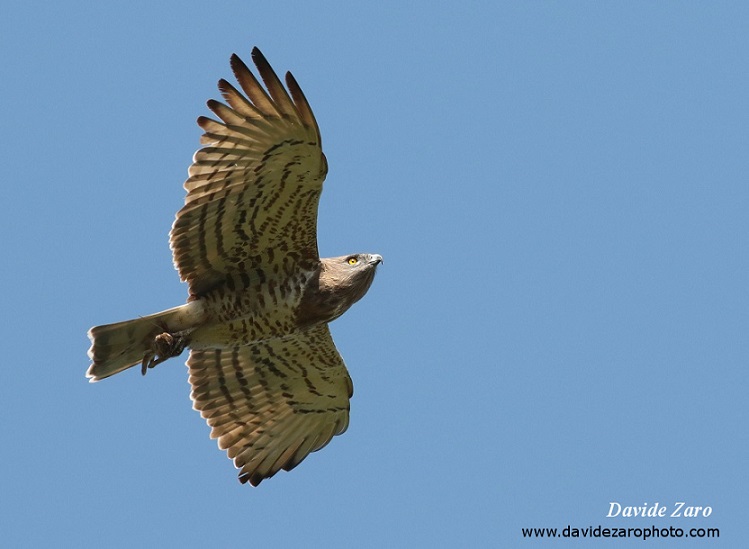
x=271, y=403
x=254, y=188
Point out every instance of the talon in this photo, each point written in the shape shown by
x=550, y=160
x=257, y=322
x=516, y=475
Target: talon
x=164, y=346
x=147, y=359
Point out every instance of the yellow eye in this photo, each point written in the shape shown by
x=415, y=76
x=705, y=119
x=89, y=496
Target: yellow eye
x=352, y=261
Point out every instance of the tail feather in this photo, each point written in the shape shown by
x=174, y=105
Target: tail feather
x=119, y=346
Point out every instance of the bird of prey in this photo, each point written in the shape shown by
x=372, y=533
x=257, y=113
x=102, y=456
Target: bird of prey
x=264, y=371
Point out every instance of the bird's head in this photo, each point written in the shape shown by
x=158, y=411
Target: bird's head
x=351, y=273
x=342, y=282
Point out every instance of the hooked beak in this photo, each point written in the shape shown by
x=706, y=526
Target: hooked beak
x=375, y=259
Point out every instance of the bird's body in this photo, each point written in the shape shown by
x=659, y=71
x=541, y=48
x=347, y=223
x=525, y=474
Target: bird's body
x=243, y=314
x=264, y=369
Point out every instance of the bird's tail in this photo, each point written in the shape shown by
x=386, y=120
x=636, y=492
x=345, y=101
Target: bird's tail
x=117, y=347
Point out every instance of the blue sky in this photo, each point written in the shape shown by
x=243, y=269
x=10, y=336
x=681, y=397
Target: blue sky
x=559, y=189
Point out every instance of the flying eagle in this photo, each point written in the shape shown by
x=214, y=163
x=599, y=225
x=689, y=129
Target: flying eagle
x=264, y=371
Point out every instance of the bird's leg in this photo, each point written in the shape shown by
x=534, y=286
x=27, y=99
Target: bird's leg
x=164, y=346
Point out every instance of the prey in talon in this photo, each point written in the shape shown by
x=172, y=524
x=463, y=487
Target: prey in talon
x=165, y=345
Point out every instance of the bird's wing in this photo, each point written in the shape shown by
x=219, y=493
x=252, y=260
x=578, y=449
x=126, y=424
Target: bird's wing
x=254, y=187
x=271, y=403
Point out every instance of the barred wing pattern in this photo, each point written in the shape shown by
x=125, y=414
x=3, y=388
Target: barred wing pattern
x=271, y=403
x=254, y=188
